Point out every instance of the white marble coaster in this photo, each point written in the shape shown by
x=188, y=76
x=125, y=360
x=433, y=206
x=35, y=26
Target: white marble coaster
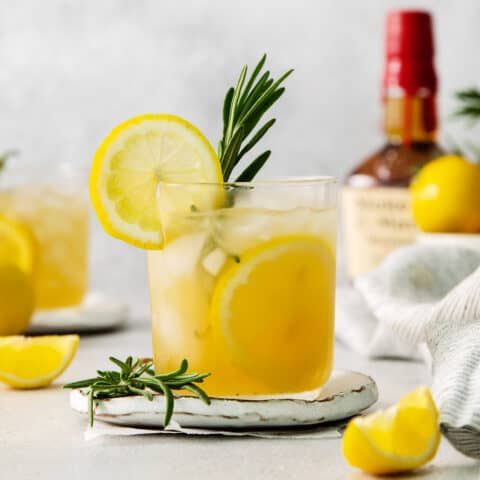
x=345, y=394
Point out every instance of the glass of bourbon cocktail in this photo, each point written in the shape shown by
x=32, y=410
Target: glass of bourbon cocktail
x=245, y=283
x=53, y=207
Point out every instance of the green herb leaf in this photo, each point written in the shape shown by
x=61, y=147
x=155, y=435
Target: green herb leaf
x=252, y=170
x=256, y=138
x=254, y=75
x=469, y=99
x=137, y=377
x=469, y=109
x=243, y=108
x=234, y=104
x=230, y=158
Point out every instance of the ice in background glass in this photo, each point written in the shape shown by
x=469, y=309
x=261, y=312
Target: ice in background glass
x=245, y=284
x=53, y=206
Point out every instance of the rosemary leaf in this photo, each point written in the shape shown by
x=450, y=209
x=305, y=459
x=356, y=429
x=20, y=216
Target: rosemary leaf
x=180, y=371
x=226, y=108
x=262, y=105
x=234, y=103
x=252, y=78
x=122, y=365
x=249, y=173
x=199, y=393
x=469, y=110
x=256, y=138
x=469, y=99
x=147, y=394
x=268, y=91
x=252, y=121
x=263, y=84
x=91, y=412
x=81, y=383
x=231, y=154
x=226, y=114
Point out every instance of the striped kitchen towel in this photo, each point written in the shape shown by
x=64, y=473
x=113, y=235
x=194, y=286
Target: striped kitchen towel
x=426, y=296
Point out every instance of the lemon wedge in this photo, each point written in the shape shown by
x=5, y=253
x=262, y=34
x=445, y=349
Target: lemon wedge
x=130, y=163
x=273, y=308
x=33, y=362
x=17, y=245
x=400, y=438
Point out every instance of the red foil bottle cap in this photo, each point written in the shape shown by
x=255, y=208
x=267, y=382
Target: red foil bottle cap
x=409, y=53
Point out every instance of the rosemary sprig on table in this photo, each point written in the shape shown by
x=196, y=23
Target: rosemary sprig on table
x=137, y=377
x=243, y=108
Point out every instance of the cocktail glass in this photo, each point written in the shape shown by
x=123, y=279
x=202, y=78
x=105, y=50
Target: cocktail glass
x=245, y=284
x=53, y=206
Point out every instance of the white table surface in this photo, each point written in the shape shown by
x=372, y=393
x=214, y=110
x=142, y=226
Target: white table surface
x=41, y=438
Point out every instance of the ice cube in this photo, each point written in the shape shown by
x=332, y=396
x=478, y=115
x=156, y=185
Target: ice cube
x=214, y=261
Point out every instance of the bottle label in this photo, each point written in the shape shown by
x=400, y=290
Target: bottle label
x=376, y=221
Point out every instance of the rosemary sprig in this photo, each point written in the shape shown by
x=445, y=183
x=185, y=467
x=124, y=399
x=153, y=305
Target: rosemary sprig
x=243, y=108
x=469, y=100
x=137, y=377
x=469, y=109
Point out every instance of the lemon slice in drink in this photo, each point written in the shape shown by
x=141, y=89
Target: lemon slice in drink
x=273, y=310
x=32, y=362
x=17, y=245
x=400, y=438
x=130, y=163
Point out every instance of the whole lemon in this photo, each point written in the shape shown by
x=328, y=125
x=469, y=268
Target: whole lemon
x=16, y=299
x=446, y=196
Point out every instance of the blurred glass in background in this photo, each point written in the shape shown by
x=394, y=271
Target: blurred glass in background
x=52, y=205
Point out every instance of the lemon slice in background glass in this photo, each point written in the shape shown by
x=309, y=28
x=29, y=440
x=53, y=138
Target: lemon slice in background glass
x=274, y=307
x=400, y=438
x=17, y=245
x=130, y=163
x=17, y=252
x=33, y=362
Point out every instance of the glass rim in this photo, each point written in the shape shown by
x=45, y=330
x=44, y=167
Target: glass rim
x=274, y=182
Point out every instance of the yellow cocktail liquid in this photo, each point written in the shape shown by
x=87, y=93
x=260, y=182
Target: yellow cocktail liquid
x=58, y=222
x=248, y=295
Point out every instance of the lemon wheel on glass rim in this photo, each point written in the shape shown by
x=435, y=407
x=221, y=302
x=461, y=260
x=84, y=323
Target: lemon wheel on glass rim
x=130, y=163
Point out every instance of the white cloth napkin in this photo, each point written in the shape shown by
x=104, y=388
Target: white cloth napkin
x=425, y=297
x=315, y=432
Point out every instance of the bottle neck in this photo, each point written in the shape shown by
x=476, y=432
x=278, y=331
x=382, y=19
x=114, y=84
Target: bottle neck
x=410, y=119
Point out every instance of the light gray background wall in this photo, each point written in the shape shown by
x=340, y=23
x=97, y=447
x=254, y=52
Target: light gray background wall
x=71, y=70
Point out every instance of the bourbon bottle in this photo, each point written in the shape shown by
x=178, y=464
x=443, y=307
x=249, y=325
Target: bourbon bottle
x=375, y=198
